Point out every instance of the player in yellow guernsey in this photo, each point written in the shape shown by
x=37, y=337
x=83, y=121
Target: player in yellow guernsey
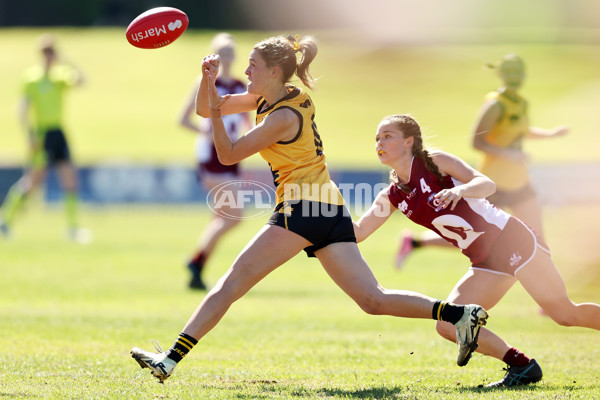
x=298, y=165
x=501, y=127
x=41, y=115
x=309, y=214
x=499, y=131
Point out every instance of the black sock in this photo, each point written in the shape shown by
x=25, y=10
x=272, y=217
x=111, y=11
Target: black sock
x=445, y=311
x=181, y=347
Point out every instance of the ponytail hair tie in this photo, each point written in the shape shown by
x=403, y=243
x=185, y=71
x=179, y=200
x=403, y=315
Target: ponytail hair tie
x=294, y=41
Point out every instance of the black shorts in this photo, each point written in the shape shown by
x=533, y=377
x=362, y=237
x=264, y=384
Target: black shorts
x=503, y=199
x=320, y=223
x=56, y=147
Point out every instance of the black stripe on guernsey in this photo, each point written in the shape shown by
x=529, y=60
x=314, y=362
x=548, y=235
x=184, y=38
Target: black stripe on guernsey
x=299, y=129
x=295, y=92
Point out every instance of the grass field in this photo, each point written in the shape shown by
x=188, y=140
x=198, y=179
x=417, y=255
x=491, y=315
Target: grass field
x=70, y=314
x=129, y=107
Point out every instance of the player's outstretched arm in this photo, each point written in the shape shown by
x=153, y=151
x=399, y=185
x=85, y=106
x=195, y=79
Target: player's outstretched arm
x=376, y=215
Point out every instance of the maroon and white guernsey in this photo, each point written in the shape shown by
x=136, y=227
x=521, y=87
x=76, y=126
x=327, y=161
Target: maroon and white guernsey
x=473, y=225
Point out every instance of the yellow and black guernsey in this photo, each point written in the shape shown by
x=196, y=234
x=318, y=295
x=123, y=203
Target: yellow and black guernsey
x=508, y=132
x=298, y=165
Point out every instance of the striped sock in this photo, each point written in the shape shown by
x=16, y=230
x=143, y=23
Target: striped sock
x=181, y=347
x=446, y=311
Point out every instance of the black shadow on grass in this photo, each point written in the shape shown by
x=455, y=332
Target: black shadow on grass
x=370, y=393
x=533, y=387
x=293, y=391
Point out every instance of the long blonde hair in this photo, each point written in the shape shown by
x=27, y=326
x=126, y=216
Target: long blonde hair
x=281, y=51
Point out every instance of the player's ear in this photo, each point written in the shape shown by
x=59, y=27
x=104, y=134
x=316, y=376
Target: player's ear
x=275, y=70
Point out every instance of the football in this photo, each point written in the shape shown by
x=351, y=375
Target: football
x=157, y=27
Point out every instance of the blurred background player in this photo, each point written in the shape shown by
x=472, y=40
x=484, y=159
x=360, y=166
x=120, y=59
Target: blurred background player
x=501, y=126
x=41, y=114
x=210, y=171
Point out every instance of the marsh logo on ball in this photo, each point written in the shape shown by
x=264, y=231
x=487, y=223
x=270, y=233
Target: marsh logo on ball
x=156, y=31
x=175, y=25
x=241, y=199
x=157, y=27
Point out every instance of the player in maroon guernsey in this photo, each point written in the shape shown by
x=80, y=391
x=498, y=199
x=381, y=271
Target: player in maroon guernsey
x=443, y=193
x=210, y=171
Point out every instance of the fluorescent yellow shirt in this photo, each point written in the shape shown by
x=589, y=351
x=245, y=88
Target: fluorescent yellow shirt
x=45, y=94
x=298, y=165
x=509, y=131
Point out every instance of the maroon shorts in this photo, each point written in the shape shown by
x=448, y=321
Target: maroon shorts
x=224, y=172
x=513, y=249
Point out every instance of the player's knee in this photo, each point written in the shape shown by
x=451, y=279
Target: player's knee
x=227, y=290
x=564, y=318
x=445, y=330
x=564, y=315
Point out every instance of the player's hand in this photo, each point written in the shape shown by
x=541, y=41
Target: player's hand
x=560, y=131
x=210, y=64
x=449, y=197
x=215, y=101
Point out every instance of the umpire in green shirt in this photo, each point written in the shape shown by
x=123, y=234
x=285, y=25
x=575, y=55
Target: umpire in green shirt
x=41, y=113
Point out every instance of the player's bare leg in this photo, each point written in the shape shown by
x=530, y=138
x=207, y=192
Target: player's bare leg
x=271, y=247
x=543, y=282
x=225, y=218
x=346, y=266
x=486, y=289
x=349, y=270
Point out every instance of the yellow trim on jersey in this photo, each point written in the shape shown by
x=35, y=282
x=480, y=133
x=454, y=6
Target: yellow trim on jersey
x=508, y=132
x=298, y=165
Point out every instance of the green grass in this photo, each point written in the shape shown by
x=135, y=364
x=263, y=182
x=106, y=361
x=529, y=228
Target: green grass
x=129, y=108
x=69, y=315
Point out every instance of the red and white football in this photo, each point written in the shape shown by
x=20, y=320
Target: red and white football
x=157, y=27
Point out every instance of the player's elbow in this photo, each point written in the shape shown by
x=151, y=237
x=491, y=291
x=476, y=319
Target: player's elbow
x=491, y=186
x=227, y=160
x=202, y=113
